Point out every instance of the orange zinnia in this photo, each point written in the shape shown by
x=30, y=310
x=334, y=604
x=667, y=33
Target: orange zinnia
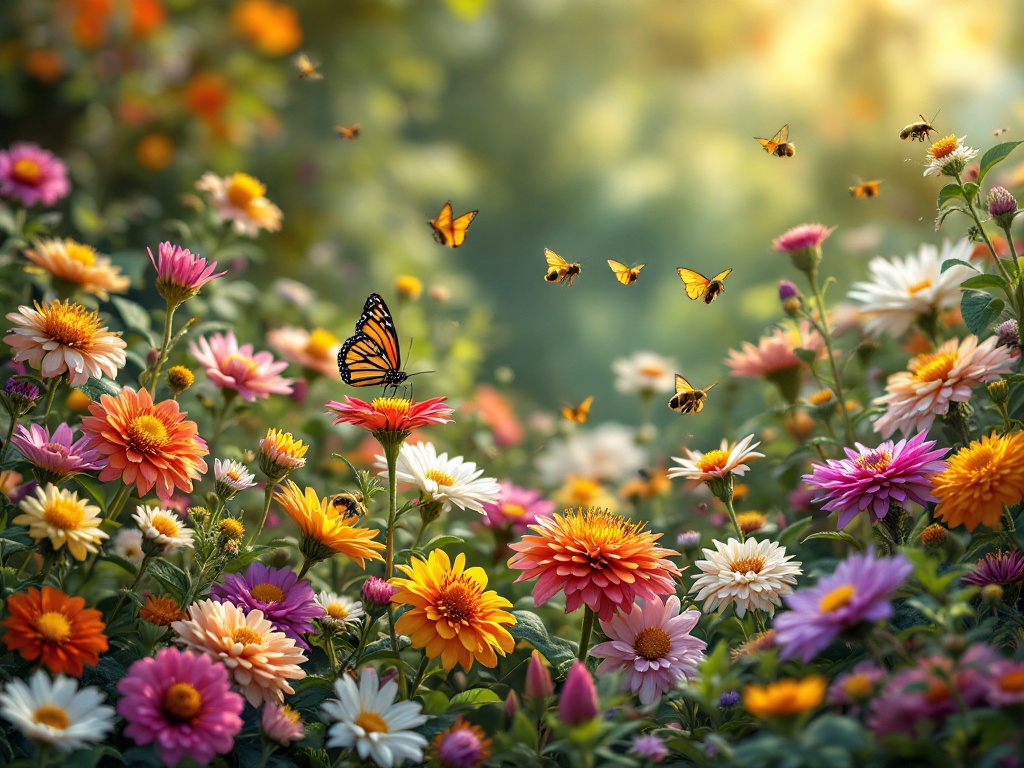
x=55, y=628
x=145, y=444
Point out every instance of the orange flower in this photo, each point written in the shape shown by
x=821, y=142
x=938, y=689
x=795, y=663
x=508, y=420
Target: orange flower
x=324, y=531
x=982, y=478
x=161, y=610
x=78, y=264
x=145, y=443
x=272, y=27
x=55, y=628
x=206, y=96
x=146, y=17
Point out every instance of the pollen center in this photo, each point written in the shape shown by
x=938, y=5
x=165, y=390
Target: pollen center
x=70, y=325
x=876, y=461
x=182, y=703
x=146, y=434
x=439, y=477
x=236, y=361
x=27, y=171
x=943, y=147
x=83, y=254
x=937, y=692
x=267, y=593
x=392, y=405
x=455, y=603
x=243, y=190
x=651, y=370
x=747, y=565
x=337, y=611
x=165, y=526
x=652, y=643
x=247, y=636
x=918, y=287
x=751, y=521
x=1012, y=681
x=51, y=715
x=513, y=510
x=54, y=627
x=64, y=514
x=837, y=598
x=934, y=367
x=712, y=461
x=371, y=722
x=320, y=343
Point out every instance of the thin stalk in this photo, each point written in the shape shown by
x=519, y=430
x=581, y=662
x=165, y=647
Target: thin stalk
x=117, y=503
x=268, y=750
x=837, y=380
x=999, y=262
x=402, y=688
x=332, y=657
x=124, y=595
x=7, y=440
x=50, y=393
x=414, y=688
x=391, y=456
x=1008, y=518
x=268, y=496
x=732, y=516
x=306, y=565
x=154, y=377
x=585, y=632
x=419, y=534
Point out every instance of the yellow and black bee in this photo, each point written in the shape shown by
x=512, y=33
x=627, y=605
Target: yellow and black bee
x=699, y=287
x=778, y=144
x=687, y=399
x=560, y=270
x=865, y=188
x=348, y=504
x=919, y=130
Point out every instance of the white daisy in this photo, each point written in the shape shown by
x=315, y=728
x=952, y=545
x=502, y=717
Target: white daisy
x=231, y=477
x=753, y=575
x=901, y=291
x=367, y=719
x=163, y=526
x=644, y=374
x=56, y=712
x=339, y=610
x=948, y=156
x=453, y=481
x=128, y=544
x=716, y=463
x=609, y=453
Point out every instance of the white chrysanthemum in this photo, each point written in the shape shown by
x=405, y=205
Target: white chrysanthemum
x=163, y=526
x=644, y=373
x=753, y=575
x=339, y=610
x=608, y=453
x=56, y=712
x=716, y=463
x=453, y=481
x=367, y=719
x=128, y=545
x=233, y=475
x=902, y=290
x=948, y=153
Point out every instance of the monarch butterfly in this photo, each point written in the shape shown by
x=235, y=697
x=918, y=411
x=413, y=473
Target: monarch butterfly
x=579, y=414
x=625, y=275
x=449, y=231
x=778, y=144
x=350, y=133
x=687, y=399
x=306, y=69
x=699, y=287
x=865, y=188
x=560, y=270
x=372, y=355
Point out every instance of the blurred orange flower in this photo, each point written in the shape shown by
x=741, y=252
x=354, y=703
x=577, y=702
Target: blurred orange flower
x=496, y=411
x=206, y=96
x=146, y=17
x=272, y=27
x=44, y=64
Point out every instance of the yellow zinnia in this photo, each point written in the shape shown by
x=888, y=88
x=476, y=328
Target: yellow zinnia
x=785, y=697
x=60, y=516
x=450, y=614
x=324, y=531
x=981, y=478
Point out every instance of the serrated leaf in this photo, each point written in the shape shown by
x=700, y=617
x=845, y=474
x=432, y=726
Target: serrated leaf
x=836, y=536
x=104, y=386
x=970, y=190
x=530, y=628
x=945, y=212
x=979, y=311
x=474, y=697
x=947, y=193
x=170, y=576
x=984, y=281
x=949, y=263
x=996, y=154
x=133, y=315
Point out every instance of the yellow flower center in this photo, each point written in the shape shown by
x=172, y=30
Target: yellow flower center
x=392, y=405
x=65, y=514
x=320, y=343
x=182, y=703
x=1012, y=681
x=976, y=458
x=371, y=722
x=858, y=686
x=439, y=477
x=456, y=603
x=822, y=397
x=232, y=528
x=837, y=598
x=83, y=254
x=54, y=626
x=337, y=611
x=236, y=359
x=289, y=714
x=713, y=461
x=247, y=636
x=751, y=521
x=876, y=461
x=748, y=564
x=165, y=526
x=943, y=147
x=243, y=190
x=513, y=510
x=147, y=434
x=70, y=325
x=51, y=715
x=584, y=491
x=267, y=593
x=933, y=367
x=918, y=287
x=652, y=643
x=652, y=371
x=27, y=171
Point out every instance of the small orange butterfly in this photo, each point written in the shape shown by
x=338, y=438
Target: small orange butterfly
x=625, y=275
x=306, y=69
x=560, y=270
x=778, y=144
x=865, y=188
x=579, y=414
x=451, y=231
x=687, y=399
x=350, y=133
x=699, y=287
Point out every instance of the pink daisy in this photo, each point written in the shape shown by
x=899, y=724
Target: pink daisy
x=58, y=456
x=652, y=645
x=180, y=273
x=230, y=366
x=516, y=507
x=182, y=701
x=801, y=237
x=31, y=174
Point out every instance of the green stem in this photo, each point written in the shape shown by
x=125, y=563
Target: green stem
x=1008, y=518
x=306, y=565
x=402, y=688
x=268, y=750
x=222, y=414
x=332, y=657
x=822, y=325
x=117, y=503
x=154, y=377
x=135, y=584
x=7, y=440
x=732, y=516
x=419, y=534
x=1010, y=294
x=391, y=456
x=50, y=393
x=585, y=632
x=415, y=687
x=268, y=496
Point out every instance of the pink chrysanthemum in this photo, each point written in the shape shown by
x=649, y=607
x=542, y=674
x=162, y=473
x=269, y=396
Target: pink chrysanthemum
x=516, y=507
x=869, y=478
x=934, y=380
x=58, y=456
x=801, y=237
x=182, y=701
x=31, y=174
x=281, y=724
x=652, y=645
x=390, y=416
x=180, y=273
x=235, y=367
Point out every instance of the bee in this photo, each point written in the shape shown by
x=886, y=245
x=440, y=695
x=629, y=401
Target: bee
x=778, y=144
x=699, y=287
x=579, y=414
x=560, y=270
x=625, y=275
x=348, y=505
x=919, y=130
x=687, y=399
x=306, y=69
x=350, y=133
x=865, y=188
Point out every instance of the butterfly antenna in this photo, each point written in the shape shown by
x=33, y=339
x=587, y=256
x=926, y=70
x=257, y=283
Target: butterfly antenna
x=409, y=376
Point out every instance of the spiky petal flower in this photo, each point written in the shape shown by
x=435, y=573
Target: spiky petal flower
x=377, y=592
x=56, y=629
x=241, y=200
x=31, y=174
x=58, y=456
x=948, y=156
x=980, y=480
x=180, y=273
x=281, y=724
x=596, y=558
x=390, y=419
x=1002, y=568
x=233, y=367
x=324, y=530
x=56, y=712
x=61, y=517
x=752, y=575
x=445, y=481
x=79, y=265
x=285, y=601
x=716, y=463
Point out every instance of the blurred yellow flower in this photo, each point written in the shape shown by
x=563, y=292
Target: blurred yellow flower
x=785, y=697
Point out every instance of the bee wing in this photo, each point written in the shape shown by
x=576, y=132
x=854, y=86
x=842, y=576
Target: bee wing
x=694, y=282
x=442, y=225
x=459, y=227
x=768, y=144
x=722, y=275
x=782, y=136
x=682, y=385
x=622, y=272
x=555, y=261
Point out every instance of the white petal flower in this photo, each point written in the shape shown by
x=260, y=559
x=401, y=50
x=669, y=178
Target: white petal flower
x=453, y=481
x=163, y=526
x=644, y=373
x=753, y=575
x=339, y=610
x=949, y=151
x=716, y=463
x=233, y=475
x=128, y=544
x=56, y=712
x=608, y=453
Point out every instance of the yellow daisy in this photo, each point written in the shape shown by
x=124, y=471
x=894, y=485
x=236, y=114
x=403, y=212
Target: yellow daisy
x=60, y=516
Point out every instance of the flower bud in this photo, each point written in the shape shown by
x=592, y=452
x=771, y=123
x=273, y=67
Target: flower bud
x=538, y=679
x=729, y=699
x=408, y=286
x=21, y=395
x=578, y=702
x=378, y=592
x=992, y=594
x=688, y=539
x=933, y=536
x=999, y=391
x=511, y=705
x=179, y=378
x=1008, y=333
x=790, y=297
x=1002, y=206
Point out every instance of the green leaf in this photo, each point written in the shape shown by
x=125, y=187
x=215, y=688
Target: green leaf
x=530, y=628
x=434, y=702
x=104, y=386
x=984, y=281
x=474, y=697
x=947, y=193
x=996, y=154
x=836, y=536
x=794, y=531
x=948, y=263
x=836, y=731
x=442, y=541
x=946, y=211
x=970, y=190
x=133, y=315
x=170, y=576
x=979, y=310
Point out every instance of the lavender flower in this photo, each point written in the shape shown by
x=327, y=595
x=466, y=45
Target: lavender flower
x=58, y=456
x=286, y=603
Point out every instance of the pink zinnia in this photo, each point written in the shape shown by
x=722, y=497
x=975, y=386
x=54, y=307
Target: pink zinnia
x=653, y=646
x=801, y=237
x=182, y=701
x=31, y=174
x=180, y=273
x=869, y=478
x=516, y=507
x=230, y=366
x=56, y=456
x=385, y=416
x=281, y=724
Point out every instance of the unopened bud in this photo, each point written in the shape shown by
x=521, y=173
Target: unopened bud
x=578, y=703
x=1002, y=206
x=179, y=378
x=992, y=594
x=999, y=391
x=538, y=678
x=933, y=536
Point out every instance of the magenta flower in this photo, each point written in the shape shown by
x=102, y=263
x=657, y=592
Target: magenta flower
x=538, y=679
x=281, y=724
x=31, y=174
x=652, y=645
x=182, y=701
x=578, y=703
x=180, y=273
x=376, y=591
x=802, y=237
x=232, y=367
x=287, y=603
x=58, y=456
x=858, y=591
x=1006, y=682
x=516, y=507
x=1002, y=568
x=869, y=478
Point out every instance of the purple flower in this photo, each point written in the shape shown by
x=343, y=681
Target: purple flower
x=286, y=603
x=376, y=591
x=56, y=456
x=787, y=290
x=1000, y=568
x=1007, y=333
x=30, y=174
x=1001, y=202
x=729, y=699
x=25, y=392
x=858, y=591
x=650, y=747
x=578, y=703
x=869, y=478
x=516, y=507
x=857, y=685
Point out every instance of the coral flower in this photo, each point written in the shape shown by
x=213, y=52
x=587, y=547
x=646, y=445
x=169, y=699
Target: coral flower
x=775, y=358
x=80, y=265
x=785, y=698
x=390, y=419
x=936, y=380
x=234, y=367
x=56, y=629
x=450, y=614
x=58, y=456
x=324, y=530
x=240, y=199
x=30, y=175
x=462, y=746
x=182, y=701
x=180, y=273
x=981, y=479
x=65, y=337
x=161, y=610
x=316, y=350
x=597, y=558
x=516, y=507
x=285, y=601
x=146, y=444
x=60, y=516
x=261, y=660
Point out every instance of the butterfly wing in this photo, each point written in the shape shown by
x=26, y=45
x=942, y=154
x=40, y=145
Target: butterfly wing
x=459, y=227
x=579, y=414
x=769, y=144
x=555, y=261
x=442, y=226
x=721, y=275
x=351, y=132
x=372, y=356
x=694, y=282
x=782, y=136
x=682, y=385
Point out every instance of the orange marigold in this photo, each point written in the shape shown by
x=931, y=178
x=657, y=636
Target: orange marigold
x=55, y=628
x=981, y=478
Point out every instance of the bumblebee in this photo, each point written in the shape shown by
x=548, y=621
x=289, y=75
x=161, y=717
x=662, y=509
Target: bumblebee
x=779, y=144
x=687, y=399
x=348, y=504
x=865, y=188
x=560, y=270
x=919, y=130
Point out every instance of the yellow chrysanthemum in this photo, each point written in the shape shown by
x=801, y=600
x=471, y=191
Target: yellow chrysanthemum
x=981, y=478
x=450, y=614
x=786, y=697
x=60, y=516
x=324, y=531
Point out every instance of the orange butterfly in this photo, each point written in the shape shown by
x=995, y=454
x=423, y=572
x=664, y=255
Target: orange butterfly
x=560, y=270
x=352, y=132
x=778, y=144
x=372, y=355
x=699, y=287
x=579, y=414
x=687, y=399
x=625, y=275
x=449, y=231
x=306, y=69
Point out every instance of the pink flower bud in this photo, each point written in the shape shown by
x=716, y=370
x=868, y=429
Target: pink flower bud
x=538, y=679
x=578, y=703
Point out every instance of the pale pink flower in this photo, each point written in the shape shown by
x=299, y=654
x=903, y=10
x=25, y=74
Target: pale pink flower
x=774, y=352
x=231, y=366
x=316, y=350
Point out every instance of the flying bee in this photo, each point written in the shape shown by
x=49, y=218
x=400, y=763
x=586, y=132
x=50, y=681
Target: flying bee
x=625, y=275
x=865, y=188
x=350, y=133
x=348, y=504
x=306, y=69
x=778, y=144
x=687, y=399
x=699, y=287
x=919, y=130
x=560, y=270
